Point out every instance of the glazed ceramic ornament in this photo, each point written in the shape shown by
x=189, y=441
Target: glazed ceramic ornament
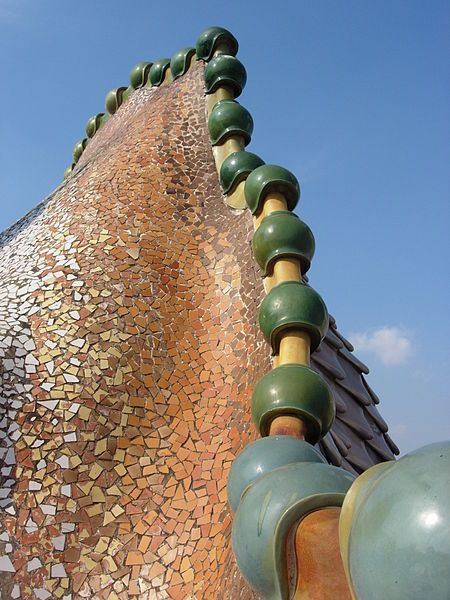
x=270, y=509
x=395, y=528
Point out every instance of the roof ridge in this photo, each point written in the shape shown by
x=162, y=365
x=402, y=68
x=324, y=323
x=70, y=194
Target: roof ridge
x=146, y=74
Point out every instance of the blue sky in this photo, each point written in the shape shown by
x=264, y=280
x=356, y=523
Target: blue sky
x=353, y=96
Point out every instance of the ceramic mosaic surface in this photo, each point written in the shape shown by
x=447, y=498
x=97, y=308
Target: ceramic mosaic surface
x=129, y=348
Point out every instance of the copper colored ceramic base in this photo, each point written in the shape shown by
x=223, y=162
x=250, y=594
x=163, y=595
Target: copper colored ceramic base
x=319, y=564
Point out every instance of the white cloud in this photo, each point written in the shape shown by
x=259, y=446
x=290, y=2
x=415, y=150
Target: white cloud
x=391, y=345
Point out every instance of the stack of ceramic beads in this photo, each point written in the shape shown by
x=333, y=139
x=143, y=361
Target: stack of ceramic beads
x=278, y=479
x=293, y=317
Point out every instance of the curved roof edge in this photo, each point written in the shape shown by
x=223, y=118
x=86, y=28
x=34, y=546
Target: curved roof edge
x=162, y=72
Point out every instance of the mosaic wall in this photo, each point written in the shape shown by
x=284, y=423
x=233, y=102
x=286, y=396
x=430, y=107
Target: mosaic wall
x=129, y=348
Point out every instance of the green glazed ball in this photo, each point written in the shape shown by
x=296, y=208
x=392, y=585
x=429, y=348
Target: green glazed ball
x=68, y=172
x=78, y=150
x=209, y=40
x=139, y=74
x=229, y=118
x=158, y=71
x=114, y=99
x=282, y=234
x=236, y=168
x=225, y=70
x=179, y=63
x=294, y=390
x=293, y=305
x=94, y=124
x=271, y=179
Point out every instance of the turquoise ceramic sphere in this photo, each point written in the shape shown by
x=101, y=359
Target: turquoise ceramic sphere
x=261, y=457
x=399, y=541
x=268, y=510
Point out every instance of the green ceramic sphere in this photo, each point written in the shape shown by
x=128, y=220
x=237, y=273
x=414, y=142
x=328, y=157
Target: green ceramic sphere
x=229, y=118
x=158, y=71
x=114, y=99
x=268, y=511
x=139, y=74
x=68, y=172
x=293, y=305
x=294, y=390
x=283, y=234
x=94, y=124
x=265, y=455
x=78, y=150
x=274, y=179
x=399, y=540
x=209, y=40
x=237, y=167
x=225, y=70
x=179, y=63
